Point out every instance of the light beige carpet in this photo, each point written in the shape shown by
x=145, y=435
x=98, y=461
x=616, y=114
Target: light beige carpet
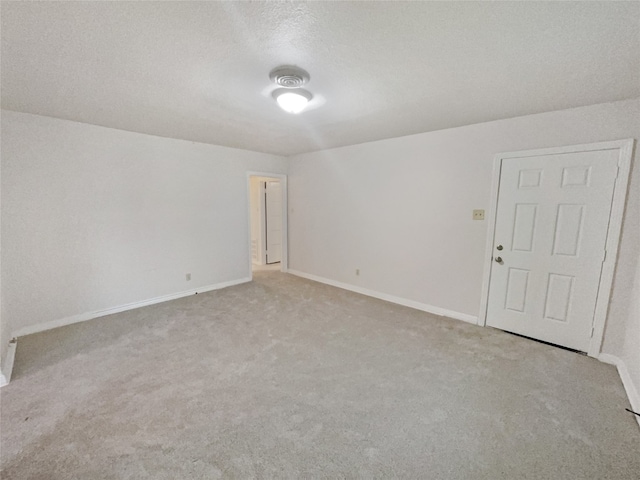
x=286, y=378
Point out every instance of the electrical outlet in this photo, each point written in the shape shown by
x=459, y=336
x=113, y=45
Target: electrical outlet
x=478, y=214
x=357, y=272
x=188, y=275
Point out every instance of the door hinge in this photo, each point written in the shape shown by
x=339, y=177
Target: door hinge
x=593, y=328
x=604, y=255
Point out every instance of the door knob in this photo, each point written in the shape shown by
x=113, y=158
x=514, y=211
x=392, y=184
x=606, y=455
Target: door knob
x=498, y=259
x=499, y=247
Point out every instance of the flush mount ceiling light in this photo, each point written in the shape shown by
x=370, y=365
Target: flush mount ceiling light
x=290, y=96
x=292, y=100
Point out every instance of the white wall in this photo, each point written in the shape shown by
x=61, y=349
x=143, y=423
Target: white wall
x=400, y=209
x=94, y=218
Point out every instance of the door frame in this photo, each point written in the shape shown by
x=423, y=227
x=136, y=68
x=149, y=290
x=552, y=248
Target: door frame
x=284, y=262
x=625, y=148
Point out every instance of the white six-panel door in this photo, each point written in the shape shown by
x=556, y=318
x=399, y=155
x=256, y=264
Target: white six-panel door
x=551, y=229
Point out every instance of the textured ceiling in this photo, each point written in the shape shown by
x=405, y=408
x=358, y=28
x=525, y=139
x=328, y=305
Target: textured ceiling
x=199, y=70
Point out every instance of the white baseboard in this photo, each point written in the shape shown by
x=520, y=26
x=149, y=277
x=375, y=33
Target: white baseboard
x=83, y=317
x=632, y=391
x=7, y=367
x=465, y=317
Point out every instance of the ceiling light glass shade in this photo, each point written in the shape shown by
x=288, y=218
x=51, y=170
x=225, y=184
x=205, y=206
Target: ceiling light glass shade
x=292, y=100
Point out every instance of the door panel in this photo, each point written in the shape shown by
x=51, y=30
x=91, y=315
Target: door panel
x=558, y=298
x=552, y=220
x=524, y=227
x=568, y=229
x=517, y=282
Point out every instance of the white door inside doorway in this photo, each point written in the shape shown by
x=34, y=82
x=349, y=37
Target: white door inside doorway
x=552, y=224
x=273, y=221
x=260, y=185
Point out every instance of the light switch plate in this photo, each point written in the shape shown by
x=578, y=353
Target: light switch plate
x=478, y=214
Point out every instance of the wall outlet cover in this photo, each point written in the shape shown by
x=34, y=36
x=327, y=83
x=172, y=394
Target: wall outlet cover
x=478, y=214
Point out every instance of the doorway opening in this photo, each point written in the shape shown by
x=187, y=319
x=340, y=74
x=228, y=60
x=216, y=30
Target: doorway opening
x=267, y=221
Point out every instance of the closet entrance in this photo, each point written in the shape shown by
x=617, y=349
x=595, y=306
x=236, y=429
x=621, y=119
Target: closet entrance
x=267, y=200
